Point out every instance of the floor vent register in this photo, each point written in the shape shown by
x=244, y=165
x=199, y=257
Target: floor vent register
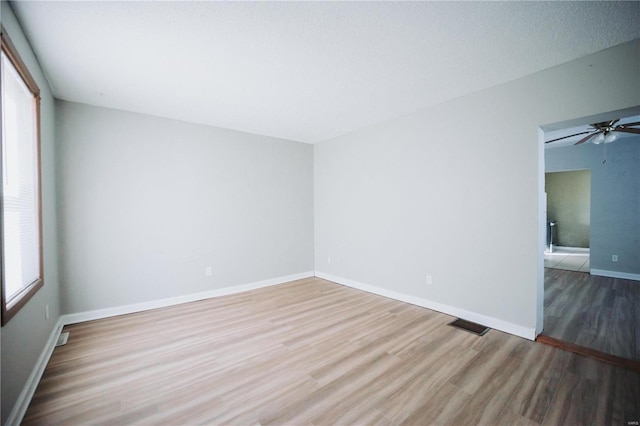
x=469, y=326
x=62, y=339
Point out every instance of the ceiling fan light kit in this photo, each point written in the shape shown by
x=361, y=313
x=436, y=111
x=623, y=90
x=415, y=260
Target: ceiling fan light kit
x=598, y=139
x=604, y=137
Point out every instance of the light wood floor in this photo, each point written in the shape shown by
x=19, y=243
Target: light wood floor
x=314, y=352
x=596, y=312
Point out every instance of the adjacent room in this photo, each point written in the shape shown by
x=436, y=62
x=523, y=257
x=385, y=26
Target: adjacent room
x=593, y=208
x=273, y=212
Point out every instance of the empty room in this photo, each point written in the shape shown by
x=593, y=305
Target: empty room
x=320, y=213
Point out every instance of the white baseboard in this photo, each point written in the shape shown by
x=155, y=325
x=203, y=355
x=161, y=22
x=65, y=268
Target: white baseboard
x=491, y=322
x=615, y=274
x=24, y=399
x=162, y=303
x=576, y=249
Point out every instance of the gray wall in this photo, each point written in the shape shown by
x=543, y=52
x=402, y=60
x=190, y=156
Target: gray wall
x=615, y=199
x=147, y=204
x=25, y=336
x=569, y=205
x=453, y=191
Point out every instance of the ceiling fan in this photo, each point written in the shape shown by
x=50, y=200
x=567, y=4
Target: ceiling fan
x=605, y=131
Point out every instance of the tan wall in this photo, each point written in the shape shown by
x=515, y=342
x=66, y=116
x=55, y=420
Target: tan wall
x=568, y=203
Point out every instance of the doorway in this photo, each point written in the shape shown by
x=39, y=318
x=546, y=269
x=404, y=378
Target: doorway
x=568, y=220
x=601, y=310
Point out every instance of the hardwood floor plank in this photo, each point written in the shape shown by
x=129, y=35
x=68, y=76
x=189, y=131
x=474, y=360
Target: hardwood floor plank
x=490, y=361
x=509, y=418
x=597, y=312
x=538, y=387
x=424, y=382
x=312, y=352
x=624, y=391
x=563, y=407
x=318, y=402
x=621, y=332
x=439, y=409
x=485, y=406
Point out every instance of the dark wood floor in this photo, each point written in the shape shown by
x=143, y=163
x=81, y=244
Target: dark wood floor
x=312, y=352
x=600, y=313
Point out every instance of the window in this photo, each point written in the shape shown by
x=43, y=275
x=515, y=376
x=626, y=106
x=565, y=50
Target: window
x=20, y=213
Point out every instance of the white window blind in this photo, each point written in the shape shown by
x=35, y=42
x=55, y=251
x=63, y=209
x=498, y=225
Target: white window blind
x=20, y=192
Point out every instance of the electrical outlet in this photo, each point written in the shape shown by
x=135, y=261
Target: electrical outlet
x=46, y=311
x=209, y=271
x=614, y=258
x=429, y=280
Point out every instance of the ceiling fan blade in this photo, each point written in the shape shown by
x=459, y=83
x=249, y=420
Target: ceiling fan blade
x=625, y=130
x=586, y=138
x=637, y=123
x=565, y=137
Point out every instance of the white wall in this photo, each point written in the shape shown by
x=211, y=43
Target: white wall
x=452, y=191
x=615, y=200
x=25, y=336
x=147, y=203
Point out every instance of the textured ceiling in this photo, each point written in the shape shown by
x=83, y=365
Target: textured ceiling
x=305, y=71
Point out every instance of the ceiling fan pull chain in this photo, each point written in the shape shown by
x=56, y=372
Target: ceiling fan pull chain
x=605, y=153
